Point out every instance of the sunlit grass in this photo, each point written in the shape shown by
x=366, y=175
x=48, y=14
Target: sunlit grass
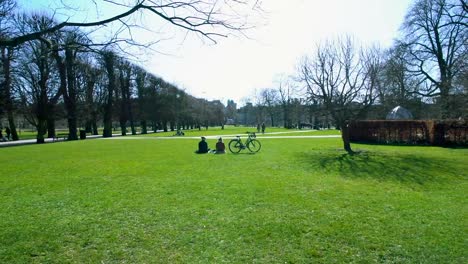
x=242, y=130
x=297, y=200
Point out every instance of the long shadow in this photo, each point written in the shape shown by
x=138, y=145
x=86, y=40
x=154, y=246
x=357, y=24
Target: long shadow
x=404, y=168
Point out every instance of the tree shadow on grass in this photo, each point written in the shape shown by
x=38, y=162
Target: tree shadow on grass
x=404, y=168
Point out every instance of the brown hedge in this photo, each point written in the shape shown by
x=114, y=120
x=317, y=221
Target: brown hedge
x=414, y=132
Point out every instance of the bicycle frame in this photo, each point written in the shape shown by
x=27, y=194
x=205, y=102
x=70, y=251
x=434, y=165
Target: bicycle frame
x=236, y=145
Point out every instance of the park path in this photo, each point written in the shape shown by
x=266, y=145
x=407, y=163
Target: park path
x=218, y=136
x=277, y=135
x=259, y=136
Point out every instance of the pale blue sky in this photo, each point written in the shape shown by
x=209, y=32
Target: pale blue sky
x=236, y=66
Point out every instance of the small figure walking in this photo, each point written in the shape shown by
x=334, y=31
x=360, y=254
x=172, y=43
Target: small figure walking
x=263, y=128
x=258, y=128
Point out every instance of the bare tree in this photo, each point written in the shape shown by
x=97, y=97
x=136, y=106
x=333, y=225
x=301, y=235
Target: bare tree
x=109, y=61
x=338, y=76
x=142, y=95
x=209, y=19
x=285, y=91
x=91, y=78
x=7, y=8
x=435, y=37
x=124, y=96
x=39, y=83
x=268, y=99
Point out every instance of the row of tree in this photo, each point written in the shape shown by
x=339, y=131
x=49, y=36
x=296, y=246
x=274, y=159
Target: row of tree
x=52, y=70
x=60, y=77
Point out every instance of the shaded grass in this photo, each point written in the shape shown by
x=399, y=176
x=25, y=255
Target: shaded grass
x=389, y=166
x=295, y=201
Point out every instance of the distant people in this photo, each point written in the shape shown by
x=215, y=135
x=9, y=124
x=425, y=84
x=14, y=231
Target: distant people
x=179, y=133
x=263, y=128
x=258, y=128
x=2, y=139
x=8, y=132
x=220, y=147
x=202, y=146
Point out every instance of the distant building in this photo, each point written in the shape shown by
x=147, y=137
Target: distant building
x=230, y=121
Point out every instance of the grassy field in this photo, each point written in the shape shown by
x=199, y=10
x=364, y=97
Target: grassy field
x=229, y=130
x=241, y=130
x=151, y=200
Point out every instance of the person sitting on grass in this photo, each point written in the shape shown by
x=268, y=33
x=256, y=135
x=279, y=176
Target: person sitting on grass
x=220, y=148
x=202, y=146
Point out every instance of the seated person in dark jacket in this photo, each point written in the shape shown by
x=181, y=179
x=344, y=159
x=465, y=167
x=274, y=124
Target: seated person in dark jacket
x=220, y=148
x=202, y=146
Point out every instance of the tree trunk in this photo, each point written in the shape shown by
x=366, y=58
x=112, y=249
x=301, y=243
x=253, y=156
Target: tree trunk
x=345, y=137
x=70, y=97
x=50, y=127
x=123, y=127
x=88, y=126
x=109, y=65
x=144, y=129
x=90, y=112
x=41, y=130
x=94, y=126
x=7, y=55
x=445, y=106
x=132, y=126
x=51, y=117
x=172, y=125
x=11, y=123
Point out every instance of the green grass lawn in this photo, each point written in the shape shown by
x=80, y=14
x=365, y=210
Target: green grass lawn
x=228, y=130
x=149, y=200
x=241, y=130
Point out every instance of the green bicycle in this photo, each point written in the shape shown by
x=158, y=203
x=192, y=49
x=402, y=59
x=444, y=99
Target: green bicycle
x=236, y=144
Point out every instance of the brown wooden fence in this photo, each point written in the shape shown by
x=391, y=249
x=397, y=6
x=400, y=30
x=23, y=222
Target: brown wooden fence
x=415, y=132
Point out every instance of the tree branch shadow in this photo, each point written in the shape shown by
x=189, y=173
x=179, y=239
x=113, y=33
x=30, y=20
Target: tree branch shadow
x=397, y=167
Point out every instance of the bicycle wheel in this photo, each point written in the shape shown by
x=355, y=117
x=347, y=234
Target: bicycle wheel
x=254, y=145
x=234, y=146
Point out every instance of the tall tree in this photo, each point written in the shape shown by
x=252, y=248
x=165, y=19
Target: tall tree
x=269, y=98
x=338, y=76
x=125, y=113
x=436, y=34
x=39, y=89
x=92, y=77
x=109, y=61
x=142, y=94
x=7, y=8
x=285, y=91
